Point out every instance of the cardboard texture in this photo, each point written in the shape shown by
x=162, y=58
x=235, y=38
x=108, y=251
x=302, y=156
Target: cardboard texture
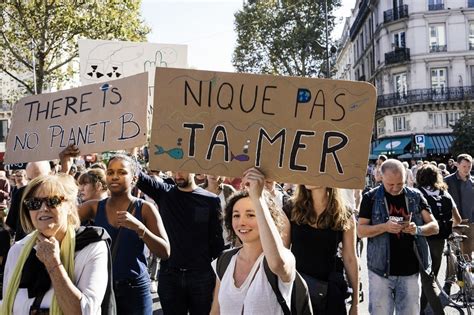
x=296, y=130
x=102, y=60
x=97, y=117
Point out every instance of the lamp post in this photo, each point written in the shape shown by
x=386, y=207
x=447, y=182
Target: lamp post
x=327, y=38
x=34, y=64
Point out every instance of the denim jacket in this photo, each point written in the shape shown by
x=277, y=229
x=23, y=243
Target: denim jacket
x=378, y=247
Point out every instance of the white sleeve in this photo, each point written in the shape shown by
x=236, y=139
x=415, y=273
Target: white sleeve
x=92, y=276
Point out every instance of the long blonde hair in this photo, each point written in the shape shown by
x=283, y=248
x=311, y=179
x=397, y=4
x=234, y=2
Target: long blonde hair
x=336, y=216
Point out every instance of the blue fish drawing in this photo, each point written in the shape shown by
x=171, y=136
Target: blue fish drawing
x=240, y=157
x=175, y=153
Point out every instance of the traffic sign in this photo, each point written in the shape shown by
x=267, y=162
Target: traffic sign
x=420, y=140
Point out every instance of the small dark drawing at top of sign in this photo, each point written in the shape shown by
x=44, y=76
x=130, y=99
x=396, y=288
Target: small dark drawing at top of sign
x=114, y=73
x=94, y=73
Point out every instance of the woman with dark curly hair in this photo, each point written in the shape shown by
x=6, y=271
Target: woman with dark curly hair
x=430, y=182
x=243, y=288
x=320, y=222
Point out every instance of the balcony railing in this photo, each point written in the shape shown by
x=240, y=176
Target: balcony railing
x=398, y=55
x=359, y=21
x=438, y=48
x=395, y=13
x=435, y=7
x=470, y=3
x=420, y=96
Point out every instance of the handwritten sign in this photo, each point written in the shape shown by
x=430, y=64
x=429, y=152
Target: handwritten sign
x=297, y=130
x=103, y=60
x=95, y=117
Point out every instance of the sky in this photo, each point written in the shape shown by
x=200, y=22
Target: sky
x=206, y=27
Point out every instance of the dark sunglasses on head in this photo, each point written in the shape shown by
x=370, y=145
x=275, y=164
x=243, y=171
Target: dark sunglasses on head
x=35, y=203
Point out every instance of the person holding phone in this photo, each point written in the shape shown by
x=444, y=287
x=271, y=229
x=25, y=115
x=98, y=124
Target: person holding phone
x=394, y=264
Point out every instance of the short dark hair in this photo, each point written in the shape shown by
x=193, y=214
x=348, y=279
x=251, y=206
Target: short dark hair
x=464, y=157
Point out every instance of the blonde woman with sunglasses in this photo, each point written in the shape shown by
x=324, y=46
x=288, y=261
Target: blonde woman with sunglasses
x=58, y=268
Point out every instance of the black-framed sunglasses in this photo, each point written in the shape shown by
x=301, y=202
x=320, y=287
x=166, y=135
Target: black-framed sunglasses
x=34, y=203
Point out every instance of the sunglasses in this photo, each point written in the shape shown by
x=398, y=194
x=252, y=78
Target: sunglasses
x=33, y=204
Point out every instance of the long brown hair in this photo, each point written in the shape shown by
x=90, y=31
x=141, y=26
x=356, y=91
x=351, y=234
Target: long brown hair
x=336, y=216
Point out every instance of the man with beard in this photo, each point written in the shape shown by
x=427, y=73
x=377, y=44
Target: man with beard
x=192, y=218
x=395, y=218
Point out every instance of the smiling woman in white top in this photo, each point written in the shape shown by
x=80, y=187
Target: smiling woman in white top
x=57, y=268
x=257, y=223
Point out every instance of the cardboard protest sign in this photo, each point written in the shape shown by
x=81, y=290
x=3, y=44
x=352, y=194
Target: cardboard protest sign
x=103, y=60
x=95, y=117
x=296, y=130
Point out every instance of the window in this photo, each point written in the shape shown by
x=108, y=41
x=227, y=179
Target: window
x=399, y=40
x=437, y=38
x=3, y=130
x=438, y=120
x=381, y=126
x=453, y=118
x=435, y=5
x=401, y=123
x=471, y=36
x=401, y=86
x=439, y=79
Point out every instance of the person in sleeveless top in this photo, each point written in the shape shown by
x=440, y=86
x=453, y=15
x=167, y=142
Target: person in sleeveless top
x=132, y=223
x=320, y=223
x=252, y=217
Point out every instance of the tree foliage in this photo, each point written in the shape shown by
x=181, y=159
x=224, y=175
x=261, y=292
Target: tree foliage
x=50, y=29
x=463, y=131
x=286, y=37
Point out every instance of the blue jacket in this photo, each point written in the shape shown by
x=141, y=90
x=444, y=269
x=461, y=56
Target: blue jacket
x=378, y=247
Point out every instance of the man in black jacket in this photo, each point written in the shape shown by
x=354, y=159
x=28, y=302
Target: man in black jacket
x=461, y=188
x=192, y=218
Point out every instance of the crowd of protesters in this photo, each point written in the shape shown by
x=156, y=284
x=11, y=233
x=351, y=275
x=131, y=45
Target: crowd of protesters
x=73, y=225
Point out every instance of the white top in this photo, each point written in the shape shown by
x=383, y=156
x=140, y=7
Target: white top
x=90, y=272
x=255, y=295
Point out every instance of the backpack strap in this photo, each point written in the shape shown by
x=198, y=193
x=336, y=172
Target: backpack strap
x=273, y=280
x=224, y=260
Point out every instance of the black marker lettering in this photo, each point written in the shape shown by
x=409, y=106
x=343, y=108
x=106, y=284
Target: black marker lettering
x=229, y=105
x=127, y=119
x=242, y=101
x=266, y=99
x=214, y=141
x=192, y=136
x=81, y=109
x=323, y=104
x=281, y=135
x=332, y=150
x=188, y=88
x=342, y=107
x=297, y=145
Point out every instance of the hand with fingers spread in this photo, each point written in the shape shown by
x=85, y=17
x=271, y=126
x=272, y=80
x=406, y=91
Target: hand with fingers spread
x=126, y=219
x=47, y=251
x=253, y=180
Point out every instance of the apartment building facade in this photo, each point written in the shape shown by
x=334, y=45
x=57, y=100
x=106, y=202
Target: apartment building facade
x=419, y=54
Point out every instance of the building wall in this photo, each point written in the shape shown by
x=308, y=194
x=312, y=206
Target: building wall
x=376, y=37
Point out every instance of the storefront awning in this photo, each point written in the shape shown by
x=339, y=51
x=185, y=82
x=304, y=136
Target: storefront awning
x=438, y=144
x=392, y=146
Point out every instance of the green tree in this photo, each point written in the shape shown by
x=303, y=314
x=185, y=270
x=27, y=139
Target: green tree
x=286, y=37
x=463, y=131
x=49, y=29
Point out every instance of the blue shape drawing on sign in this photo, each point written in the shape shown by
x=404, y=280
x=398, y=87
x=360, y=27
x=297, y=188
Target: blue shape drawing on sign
x=239, y=157
x=104, y=87
x=304, y=96
x=175, y=153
